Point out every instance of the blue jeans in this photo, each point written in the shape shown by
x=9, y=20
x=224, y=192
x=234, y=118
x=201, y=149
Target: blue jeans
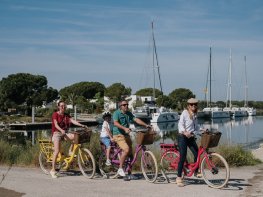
x=183, y=143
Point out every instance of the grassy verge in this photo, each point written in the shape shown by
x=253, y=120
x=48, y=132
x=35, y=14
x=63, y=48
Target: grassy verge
x=27, y=155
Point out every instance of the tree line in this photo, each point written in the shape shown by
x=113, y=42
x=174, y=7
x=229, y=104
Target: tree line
x=22, y=91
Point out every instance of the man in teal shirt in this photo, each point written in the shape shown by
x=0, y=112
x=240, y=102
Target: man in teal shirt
x=122, y=118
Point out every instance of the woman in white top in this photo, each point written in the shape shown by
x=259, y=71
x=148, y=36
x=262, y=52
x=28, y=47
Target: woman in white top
x=106, y=135
x=187, y=128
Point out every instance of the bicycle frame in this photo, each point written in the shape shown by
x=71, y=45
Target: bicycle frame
x=128, y=163
x=47, y=147
x=189, y=168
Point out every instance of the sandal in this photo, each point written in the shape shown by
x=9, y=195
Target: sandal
x=180, y=182
x=198, y=175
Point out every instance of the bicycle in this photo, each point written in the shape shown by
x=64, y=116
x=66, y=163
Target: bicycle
x=84, y=157
x=214, y=168
x=148, y=161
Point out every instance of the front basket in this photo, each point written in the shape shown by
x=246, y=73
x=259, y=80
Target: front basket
x=82, y=136
x=210, y=140
x=147, y=138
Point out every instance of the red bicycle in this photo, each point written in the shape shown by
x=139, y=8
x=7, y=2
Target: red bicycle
x=214, y=168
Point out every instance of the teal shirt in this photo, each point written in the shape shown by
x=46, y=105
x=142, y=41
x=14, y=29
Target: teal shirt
x=123, y=119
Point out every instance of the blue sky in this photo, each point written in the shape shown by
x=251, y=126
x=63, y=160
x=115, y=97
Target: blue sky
x=109, y=42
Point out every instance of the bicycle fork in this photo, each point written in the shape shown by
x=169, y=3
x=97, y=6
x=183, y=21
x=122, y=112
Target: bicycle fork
x=211, y=164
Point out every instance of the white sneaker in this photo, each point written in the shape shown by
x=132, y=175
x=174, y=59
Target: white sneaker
x=53, y=174
x=108, y=162
x=121, y=172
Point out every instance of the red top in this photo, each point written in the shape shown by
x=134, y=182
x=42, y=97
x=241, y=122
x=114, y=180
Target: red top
x=63, y=121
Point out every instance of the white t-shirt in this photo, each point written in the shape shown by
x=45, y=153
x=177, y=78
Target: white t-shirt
x=103, y=129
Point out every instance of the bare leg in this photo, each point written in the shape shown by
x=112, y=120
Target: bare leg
x=56, y=152
x=108, y=153
x=123, y=157
x=70, y=137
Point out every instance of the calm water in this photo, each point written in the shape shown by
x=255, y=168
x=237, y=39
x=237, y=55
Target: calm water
x=247, y=131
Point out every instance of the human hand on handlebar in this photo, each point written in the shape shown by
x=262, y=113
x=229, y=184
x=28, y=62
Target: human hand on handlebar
x=127, y=130
x=148, y=126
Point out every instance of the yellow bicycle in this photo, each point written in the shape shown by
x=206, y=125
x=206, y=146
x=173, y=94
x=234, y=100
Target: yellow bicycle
x=84, y=157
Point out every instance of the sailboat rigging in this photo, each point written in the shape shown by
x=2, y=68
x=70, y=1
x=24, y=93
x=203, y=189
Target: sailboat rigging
x=154, y=113
x=209, y=111
x=250, y=110
x=234, y=111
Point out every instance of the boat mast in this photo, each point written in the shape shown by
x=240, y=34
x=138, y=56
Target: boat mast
x=210, y=91
x=229, y=84
x=246, y=86
x=230, y=80
x=157, y=63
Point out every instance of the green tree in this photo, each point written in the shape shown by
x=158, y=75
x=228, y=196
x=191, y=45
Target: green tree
x=148, y=92
x=79, y=93
x=180, y=97
x=24, y=89
x=165, y=101
x=85, y=89
x=116, y=91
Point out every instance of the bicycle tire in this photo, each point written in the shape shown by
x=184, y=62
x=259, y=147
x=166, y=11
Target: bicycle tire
x=215, y=173
x=86, y=163
x=149, y=166
x=108, y=171
x=169, y=163
x=44, y=164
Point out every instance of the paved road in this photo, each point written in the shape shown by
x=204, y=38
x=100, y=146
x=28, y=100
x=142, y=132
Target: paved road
x=31, y=182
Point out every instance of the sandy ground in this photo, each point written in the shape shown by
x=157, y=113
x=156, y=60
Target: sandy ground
x=31, y=182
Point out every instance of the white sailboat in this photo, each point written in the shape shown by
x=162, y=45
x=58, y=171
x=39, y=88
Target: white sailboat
x=157, y=114
x=209, y=111
x=250, y=110
x=234, y=111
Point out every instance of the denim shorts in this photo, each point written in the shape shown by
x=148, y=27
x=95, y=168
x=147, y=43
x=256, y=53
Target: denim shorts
x=105, y=141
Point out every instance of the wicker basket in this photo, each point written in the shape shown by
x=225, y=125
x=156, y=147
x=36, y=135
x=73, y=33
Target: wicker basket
x=82, y=136
x=147, y=138
x=210, y=140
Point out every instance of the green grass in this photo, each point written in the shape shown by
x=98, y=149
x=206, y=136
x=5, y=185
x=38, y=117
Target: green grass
x=237, y=156
x=27, y=154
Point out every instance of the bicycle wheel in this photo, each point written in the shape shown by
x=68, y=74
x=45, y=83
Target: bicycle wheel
x=45, y=162
x=215, y=170
x=108, y=171
x=149, y=166
x=169, y=163
x=86, y=163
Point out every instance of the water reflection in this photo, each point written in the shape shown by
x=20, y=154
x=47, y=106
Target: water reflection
x=167, y=131
x=246, y=131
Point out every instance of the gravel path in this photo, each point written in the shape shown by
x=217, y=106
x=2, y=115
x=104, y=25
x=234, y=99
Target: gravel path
x=31, y=182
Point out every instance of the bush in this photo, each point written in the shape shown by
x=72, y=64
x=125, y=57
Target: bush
x=237, y=156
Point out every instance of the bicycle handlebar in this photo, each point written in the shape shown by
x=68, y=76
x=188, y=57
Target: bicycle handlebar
x=143, y=130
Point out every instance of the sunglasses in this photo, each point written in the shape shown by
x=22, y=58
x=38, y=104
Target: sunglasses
x=193, y=104
x=124, y=105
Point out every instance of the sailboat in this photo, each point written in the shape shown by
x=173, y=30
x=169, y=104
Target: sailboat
x=250, y=110
x=156, y=114
x=209, y=111
x=234, y=111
